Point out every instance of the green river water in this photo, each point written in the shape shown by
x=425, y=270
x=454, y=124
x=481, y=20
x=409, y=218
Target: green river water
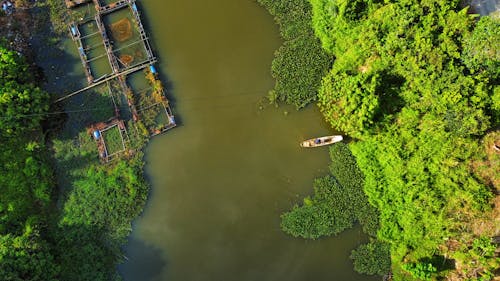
x=222, y=178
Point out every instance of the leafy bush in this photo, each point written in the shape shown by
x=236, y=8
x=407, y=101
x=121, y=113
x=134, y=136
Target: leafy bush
x=97, y=216
x=481, y=51
x=18, y=96
x=421, y=271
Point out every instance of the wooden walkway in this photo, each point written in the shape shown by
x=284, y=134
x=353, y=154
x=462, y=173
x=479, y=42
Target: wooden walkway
x=112, y=7
x=105, y=79
x=142, y=32
x=77, y=37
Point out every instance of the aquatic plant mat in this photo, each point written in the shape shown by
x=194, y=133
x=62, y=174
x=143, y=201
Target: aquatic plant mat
x=122, y=30
x=128, y=46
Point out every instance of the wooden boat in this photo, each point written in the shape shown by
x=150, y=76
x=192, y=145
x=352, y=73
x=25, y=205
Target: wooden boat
x=321, y=141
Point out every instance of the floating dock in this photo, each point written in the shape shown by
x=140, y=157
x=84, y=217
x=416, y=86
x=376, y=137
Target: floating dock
x=119, y=69
x=116, y=65
x=76, y=35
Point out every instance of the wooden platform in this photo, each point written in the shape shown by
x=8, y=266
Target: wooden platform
x=119, y=71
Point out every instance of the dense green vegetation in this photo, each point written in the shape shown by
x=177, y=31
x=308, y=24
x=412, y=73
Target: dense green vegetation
x=98, y=207
x=338, y=202
x=67, y=224
x=401, y=84
x=26, y=180
x=372, y=258
x=301, y=62
x=417, y=84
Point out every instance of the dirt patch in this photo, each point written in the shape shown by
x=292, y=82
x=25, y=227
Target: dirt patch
x=489, y=225
x=16, y=29
x=122, y=30
x=488, y=168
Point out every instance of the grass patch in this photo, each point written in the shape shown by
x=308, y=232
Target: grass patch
x=113, y=140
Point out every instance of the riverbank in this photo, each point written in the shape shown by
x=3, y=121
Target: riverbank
x=406, y=133
x=87, y=220
x=338, y=201
x=26, y=177
x=102, y=184
x=221, y=181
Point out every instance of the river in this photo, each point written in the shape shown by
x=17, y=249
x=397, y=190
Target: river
x=222, y=178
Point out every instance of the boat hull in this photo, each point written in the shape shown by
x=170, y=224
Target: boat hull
x=321, y=141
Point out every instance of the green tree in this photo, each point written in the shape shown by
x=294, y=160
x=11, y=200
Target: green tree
x=349, y=103
x=27, y=257
x=26, y=181
x=481, y=52
x=13, y=67
x=22, y=105
x=415, y=83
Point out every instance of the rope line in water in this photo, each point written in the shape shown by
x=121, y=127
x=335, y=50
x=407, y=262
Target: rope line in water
x=191, y=103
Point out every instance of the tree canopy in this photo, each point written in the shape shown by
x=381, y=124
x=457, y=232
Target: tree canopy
x=22, y=104
x=26, y=179
x=415, y=82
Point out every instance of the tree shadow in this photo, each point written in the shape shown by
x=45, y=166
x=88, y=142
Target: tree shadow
x=390, y=102
x=142, y=262
x=87, y=252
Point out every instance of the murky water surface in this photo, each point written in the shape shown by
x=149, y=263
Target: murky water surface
x=223, y=177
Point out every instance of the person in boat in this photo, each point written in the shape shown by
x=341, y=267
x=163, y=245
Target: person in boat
x=317, y=141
